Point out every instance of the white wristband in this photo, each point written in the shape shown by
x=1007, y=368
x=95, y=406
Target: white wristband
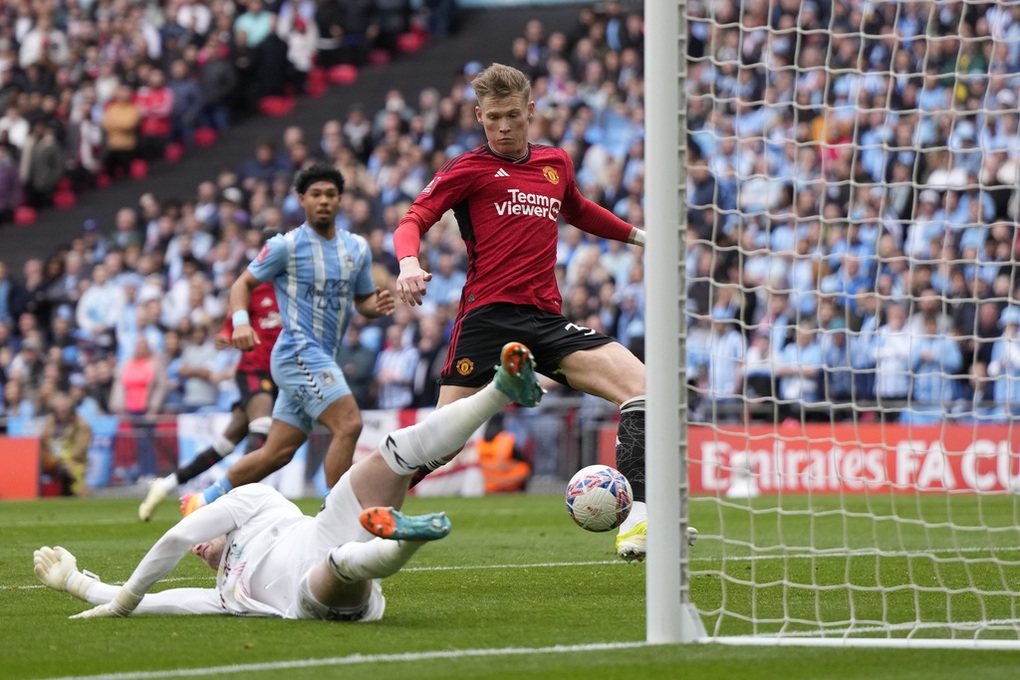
x=240, y=318
x=638, y=237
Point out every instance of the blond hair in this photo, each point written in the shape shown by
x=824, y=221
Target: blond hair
x=500, y=80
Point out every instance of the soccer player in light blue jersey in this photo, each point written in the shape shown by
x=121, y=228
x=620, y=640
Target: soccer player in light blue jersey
x=321, y=277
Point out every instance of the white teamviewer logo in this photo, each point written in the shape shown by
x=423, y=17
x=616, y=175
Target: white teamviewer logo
x=521, y=203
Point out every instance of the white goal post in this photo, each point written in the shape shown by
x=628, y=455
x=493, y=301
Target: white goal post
x=832, y=322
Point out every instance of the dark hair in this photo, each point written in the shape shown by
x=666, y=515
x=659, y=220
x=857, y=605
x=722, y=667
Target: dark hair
x=320, y=172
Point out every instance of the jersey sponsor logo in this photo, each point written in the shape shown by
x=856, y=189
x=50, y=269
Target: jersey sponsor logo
x=331, y=296
x=465, y=366
x=326, y=378
x=431, y=185
x=262, y=253
x=501, y=173
x=266, y=302
x=551, y=175
x=523, y=203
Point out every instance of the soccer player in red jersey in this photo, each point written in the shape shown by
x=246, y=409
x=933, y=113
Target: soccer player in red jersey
x=252, y=415
x=508, y=196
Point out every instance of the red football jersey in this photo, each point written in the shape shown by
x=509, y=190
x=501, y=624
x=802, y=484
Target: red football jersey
x=267, y=322
x=508, y=215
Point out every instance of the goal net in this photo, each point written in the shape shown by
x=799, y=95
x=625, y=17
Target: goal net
x=852, y=308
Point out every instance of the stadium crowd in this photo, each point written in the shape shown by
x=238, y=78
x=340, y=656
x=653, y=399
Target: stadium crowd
x=854, y=209
x=88, y=88
x=852, y=190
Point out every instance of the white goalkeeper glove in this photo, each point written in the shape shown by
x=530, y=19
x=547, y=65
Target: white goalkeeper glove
x=57, y=568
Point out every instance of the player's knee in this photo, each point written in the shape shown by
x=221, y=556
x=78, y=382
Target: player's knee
x=349, y=425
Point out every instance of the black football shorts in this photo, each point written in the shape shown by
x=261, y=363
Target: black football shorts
x=478, y=339
x=251, y=383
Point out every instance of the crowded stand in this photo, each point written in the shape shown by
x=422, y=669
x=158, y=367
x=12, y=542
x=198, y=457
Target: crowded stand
x=852, y=208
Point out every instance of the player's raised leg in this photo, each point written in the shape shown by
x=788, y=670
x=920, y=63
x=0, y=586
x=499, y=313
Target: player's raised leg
x=379, y=484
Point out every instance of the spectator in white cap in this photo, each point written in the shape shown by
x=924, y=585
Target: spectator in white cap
x=1004, y=367
x=925, y=227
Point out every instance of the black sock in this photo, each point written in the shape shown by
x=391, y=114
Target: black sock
x=255, y=442
x=424, y=471
x=630, y=445
x=200, y=464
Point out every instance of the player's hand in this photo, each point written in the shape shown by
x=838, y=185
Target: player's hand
x=244, y=338
x=103, y=611
x=52, y=566
x=385, y=304
x=412, y=280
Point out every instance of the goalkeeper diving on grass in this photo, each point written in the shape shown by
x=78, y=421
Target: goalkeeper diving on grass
x=273, y=560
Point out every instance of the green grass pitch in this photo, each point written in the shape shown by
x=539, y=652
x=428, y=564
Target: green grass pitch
x=517, y=591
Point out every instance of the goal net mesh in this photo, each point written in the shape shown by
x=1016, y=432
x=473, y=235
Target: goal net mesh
x=853, y=310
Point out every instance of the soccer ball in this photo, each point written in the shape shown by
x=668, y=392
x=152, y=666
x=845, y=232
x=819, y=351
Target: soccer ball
x=599, y=498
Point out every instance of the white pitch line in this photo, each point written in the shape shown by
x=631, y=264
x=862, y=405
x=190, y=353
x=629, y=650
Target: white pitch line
x=466, y=567
x=410, y=657
x=65, y=522
x=869, y=552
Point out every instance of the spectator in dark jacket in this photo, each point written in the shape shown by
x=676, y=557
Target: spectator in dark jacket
x=218, y=82
x=42, y=165
x=10, y=184
x=188, y=102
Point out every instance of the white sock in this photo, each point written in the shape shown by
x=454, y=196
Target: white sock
x=638, y=513
x=442, y=432
x=170, y=482
x=378, y=558
x=223, y=446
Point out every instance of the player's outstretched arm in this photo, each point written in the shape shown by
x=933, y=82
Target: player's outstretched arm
x=411, y=283
x=202, y=525
x=57, y=568
x=379, y=303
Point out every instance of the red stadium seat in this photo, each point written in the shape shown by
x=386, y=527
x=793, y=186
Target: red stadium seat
x=64, y=199
x=343, y=74
x=174, y=151
x=276, y=106
x=102, y=180
x=378, y=57
x=64, y=184
x=410, y=42
x=139, y=169
x=24, y=215
x=205, y=137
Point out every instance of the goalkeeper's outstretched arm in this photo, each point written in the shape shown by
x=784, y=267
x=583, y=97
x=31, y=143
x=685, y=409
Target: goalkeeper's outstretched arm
x=57, y=568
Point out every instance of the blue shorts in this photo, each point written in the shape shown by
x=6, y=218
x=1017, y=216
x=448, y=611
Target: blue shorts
x=309, y=382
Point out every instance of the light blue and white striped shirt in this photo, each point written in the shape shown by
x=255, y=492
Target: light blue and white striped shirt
x=316, y=282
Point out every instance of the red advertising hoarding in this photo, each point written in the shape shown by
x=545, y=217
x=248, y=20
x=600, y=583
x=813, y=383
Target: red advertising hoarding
x=847, y=458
